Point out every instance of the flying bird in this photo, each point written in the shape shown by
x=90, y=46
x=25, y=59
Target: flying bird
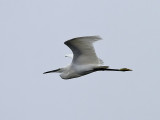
x=84, y=60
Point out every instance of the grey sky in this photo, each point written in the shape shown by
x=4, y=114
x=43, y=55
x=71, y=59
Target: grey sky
x=32, y=36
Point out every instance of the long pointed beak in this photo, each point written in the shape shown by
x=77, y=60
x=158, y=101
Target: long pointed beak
x=47, y=72
x=52, y=71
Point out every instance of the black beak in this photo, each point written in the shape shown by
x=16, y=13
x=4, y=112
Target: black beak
x=52, y=71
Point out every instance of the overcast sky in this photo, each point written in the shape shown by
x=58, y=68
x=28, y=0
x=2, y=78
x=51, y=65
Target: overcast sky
x=31, y=42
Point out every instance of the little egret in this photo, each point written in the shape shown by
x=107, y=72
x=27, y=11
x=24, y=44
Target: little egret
x=84, y=60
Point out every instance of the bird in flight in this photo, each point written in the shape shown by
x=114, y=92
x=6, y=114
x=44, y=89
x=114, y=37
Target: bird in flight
x=84, y=60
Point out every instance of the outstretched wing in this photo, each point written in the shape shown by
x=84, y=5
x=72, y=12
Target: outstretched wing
x=83, y=50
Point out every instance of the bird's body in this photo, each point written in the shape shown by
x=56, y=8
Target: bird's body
x=84, y=60
x=73, y=71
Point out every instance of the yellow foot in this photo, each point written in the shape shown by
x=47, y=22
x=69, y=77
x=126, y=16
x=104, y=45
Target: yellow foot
x=125, y=69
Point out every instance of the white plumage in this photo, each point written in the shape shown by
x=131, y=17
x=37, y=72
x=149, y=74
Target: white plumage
x=84, y=60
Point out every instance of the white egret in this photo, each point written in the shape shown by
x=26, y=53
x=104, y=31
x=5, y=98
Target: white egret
x=85, y=60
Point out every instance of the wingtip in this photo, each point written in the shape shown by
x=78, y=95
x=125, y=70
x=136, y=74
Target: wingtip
x=98, y=37
x=94, y=37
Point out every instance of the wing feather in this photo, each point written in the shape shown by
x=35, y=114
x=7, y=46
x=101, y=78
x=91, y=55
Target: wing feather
x=83, y=50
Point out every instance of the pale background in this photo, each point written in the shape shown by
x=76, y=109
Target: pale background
x=32, y=33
